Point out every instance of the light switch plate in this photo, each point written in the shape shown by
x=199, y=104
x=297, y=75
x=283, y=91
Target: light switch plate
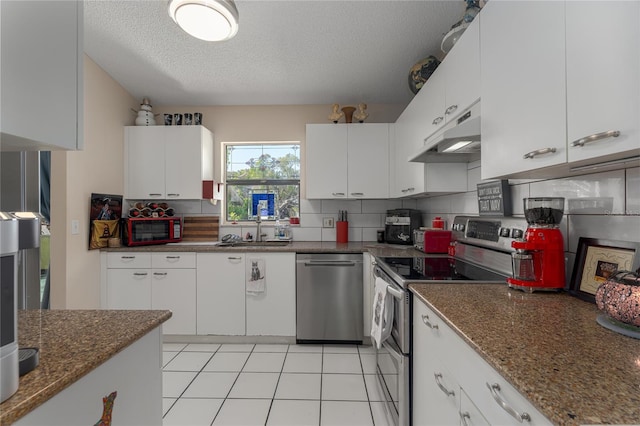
x=75, y=227
x=327, y=222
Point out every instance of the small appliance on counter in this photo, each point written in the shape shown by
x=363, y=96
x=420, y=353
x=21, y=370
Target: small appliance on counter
x=140, y=231
x=9, y=373
x=400, y=224
x=538, y=262
x=430, y=240
x=20, y=233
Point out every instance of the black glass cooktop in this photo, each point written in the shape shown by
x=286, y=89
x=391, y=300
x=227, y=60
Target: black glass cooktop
x=437, y=269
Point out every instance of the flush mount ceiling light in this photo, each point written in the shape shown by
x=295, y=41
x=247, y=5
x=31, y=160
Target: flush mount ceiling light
x=209, y=20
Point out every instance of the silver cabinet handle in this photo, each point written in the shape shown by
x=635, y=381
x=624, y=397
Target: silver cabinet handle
x=173, y=195
x=234, y=258
x=358, y=194
x=330, y=263
x=537, y=152
x=338, y=194
x=172, y=257
x=155, y=195
x=140, y=274
x=446, y=391
x=464, y=417
x=494, y=389
x=127, y=257
x=451, y=109
x=160, y=274
x=408, y=189
x=596, y=137
x=425, y=320
x=437, y=121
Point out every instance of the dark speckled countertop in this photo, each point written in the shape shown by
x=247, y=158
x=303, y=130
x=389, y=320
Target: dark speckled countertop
x=549, y=347
x=377, y=249
x=72, y=343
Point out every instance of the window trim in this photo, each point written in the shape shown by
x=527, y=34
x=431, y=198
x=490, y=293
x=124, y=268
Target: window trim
x=223, y=167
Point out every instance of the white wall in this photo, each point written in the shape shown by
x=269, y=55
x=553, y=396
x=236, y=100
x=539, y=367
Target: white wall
x=75, y=270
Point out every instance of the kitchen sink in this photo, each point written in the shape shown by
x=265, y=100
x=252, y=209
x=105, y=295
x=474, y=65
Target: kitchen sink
x=253, y=243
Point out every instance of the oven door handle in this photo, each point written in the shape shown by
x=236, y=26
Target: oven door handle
x=398, y=294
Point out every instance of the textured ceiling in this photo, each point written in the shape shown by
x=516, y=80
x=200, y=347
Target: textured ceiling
x=287, y=52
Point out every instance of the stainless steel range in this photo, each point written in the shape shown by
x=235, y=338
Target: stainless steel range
x=483, y=255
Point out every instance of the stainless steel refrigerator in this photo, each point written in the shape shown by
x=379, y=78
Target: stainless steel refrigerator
x=20, y=191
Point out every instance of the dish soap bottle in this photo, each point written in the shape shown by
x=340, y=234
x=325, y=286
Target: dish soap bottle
x=276, y=229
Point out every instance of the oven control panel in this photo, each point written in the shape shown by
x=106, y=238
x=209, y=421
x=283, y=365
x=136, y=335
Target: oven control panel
x=496, y=233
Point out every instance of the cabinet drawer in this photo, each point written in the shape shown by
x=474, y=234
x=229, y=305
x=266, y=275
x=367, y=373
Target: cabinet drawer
x=477, y=376
x=128, y=260
x=173, y=260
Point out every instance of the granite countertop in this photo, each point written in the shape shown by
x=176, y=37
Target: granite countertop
x=549, y=347
x=72, y=343
x=375, y=248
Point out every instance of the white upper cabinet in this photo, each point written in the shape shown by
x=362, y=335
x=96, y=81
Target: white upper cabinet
x=407, y=177
x=368, y=160
x=455, y=85
x=550, y=100
x=523, y=88
x=432, y=103
x=326, y=161
x=451, y=89
x=347, y=161
x=167, y=162
x=462, y=66
x=603, y=93
x=42, y=85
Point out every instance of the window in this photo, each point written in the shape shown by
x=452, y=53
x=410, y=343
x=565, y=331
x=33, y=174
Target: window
x=262, y=179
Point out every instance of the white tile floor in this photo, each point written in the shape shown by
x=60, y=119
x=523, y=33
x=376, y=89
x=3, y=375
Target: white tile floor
x=245, y=384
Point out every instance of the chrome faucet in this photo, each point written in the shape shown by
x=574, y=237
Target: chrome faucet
x=259, y=233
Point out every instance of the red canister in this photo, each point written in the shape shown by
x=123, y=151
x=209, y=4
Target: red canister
x=437, y=223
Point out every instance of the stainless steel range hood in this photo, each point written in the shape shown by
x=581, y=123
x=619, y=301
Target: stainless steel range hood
x=457, y=142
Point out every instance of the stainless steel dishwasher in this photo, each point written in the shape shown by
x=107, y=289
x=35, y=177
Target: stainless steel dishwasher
x=329, y=298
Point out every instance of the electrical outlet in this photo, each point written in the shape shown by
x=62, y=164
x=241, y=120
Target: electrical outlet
x=327, y=222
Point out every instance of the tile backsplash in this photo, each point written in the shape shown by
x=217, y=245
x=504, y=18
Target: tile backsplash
x=602, y=205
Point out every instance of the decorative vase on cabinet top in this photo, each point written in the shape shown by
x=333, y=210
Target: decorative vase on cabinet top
x=421, y=71
x=348, y=113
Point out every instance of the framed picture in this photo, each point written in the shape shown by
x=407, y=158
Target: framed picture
x=105, y=211
x=596, y=260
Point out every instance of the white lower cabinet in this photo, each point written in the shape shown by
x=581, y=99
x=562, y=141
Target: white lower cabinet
x=154, y=281
x=220, y=296
x=273, y=312
x=129, y=289
x=436, y=394
x=225, y=308
x=452, y=384
x=470, y=415
x=175, y=290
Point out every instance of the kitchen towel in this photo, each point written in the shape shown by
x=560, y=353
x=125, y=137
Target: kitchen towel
x=382, y=319
x=256, y=276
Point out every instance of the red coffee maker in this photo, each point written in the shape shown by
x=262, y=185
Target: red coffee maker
x=538, y=262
